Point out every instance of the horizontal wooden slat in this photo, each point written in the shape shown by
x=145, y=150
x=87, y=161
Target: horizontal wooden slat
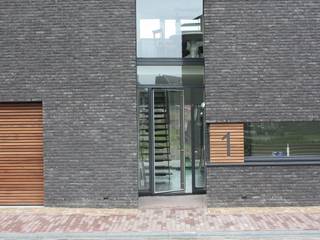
x=20, y=160
x=22, y=188
x=225, y=159
x=19, y=202
x=21, y=157
x=21, y=126
x=20, y=164
x=21, y=140
x=18, y=175
x=21, y=175
x=13, y=181
x=19, y=109
x=20, y=183
x=17, y=150
x=26, y=191
x=220, y=145
x=21, y=199
x=21, y=144
x=20, y=135
x=21, y=170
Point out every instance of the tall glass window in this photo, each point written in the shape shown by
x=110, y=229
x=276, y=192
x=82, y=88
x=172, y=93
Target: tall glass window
x=170, y=75
x=169, y=29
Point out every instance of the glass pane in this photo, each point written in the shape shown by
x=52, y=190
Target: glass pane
x=143, y=123
x=198, y=145
x=168, y=110
x=283, y=140
x=169, y=29
x=193, y=129
x=170, y=75
x=188, y=139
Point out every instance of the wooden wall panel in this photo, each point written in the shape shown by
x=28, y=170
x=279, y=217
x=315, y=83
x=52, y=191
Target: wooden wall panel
x=226, y=142
x=21, y=154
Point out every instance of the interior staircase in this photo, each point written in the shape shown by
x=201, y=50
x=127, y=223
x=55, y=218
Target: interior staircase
x=162, y=138
x=162, y=169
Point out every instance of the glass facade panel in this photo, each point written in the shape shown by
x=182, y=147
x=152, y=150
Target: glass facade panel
x=167, y=83
x=170, y=116
x=282, y=140
x=170, y=75
x=169, y=29
x=144, y=138
x=198, y=137
x=193, y=127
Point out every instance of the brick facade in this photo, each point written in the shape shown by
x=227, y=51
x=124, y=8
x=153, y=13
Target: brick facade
x=261, y=186
x=78, y=58
x=262, y=63
x=262, y=60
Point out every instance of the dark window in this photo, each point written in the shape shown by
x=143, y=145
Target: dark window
x=282, y=140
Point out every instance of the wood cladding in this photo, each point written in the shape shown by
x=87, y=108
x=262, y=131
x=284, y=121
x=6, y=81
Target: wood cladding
x=226, y=142
x=21, y=154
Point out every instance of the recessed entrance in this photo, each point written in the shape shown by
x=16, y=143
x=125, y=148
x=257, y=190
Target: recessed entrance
x=171, y=149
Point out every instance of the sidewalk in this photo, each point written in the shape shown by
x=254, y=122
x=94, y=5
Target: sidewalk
x=57, y=220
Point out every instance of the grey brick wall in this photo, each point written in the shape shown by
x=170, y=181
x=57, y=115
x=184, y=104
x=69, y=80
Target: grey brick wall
x=78, y=58
x=262, y=60
x=257, y=186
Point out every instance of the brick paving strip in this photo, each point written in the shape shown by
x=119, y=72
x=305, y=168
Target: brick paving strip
x=162, y=221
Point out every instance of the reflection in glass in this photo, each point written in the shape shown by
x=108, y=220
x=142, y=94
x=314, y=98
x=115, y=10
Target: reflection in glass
x=198, y=138
x=169, y=29
x=194, y=147
x=188, y=139
x=282, y=140
x=176, y=114
x=170, y=75
x=143, y=123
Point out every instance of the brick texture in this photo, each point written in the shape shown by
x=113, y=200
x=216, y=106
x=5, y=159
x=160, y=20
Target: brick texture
x=262, y=60
x=257, y=186
x=78, y=58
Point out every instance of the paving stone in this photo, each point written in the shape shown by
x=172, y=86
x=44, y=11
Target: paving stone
x=159, y=220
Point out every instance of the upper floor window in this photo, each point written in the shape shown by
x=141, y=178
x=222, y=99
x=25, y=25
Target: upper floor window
x=169, y=29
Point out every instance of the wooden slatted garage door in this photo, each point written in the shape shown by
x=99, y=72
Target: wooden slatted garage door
x=21, y=154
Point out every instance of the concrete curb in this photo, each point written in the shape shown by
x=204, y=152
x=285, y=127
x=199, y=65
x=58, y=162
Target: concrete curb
x=243, y=235
x=263, y=210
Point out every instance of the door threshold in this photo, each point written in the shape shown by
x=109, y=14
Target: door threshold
x=176, y=202
x=148, y=194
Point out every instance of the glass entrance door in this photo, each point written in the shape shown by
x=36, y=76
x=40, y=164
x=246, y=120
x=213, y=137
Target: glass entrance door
x=171, y=142
x=168, y=140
